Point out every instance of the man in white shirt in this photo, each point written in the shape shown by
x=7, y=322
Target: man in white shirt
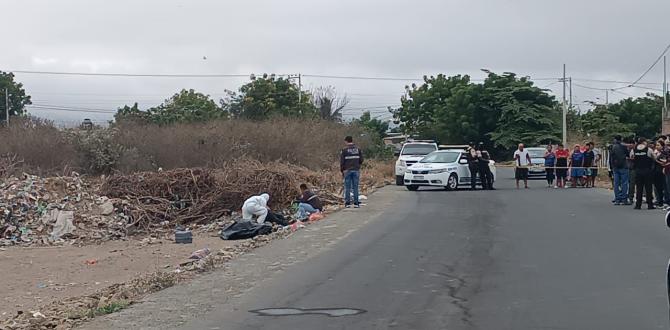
x=522, y=160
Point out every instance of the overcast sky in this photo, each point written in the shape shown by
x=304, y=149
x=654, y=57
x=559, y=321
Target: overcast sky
x=597, y=39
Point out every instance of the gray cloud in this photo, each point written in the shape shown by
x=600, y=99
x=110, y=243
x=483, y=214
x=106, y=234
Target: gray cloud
x=598, y=39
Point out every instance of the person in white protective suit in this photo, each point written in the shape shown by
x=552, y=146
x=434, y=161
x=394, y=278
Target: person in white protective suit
x=256, y=205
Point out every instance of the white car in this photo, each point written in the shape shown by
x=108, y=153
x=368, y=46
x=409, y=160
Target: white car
x=411, y=153
x=444, y=168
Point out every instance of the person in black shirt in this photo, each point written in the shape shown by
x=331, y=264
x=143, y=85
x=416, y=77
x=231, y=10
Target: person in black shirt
x=658, y=176
x=485, y=174
x=643, y=162
x=351, y=159
x=473, y=165
x=309, y=201
x=589, y=157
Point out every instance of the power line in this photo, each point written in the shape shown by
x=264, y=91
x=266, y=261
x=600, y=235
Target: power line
x=652, y=65
x=614, y=81
x=154, y=75
x=159, y=75
x=57, y=108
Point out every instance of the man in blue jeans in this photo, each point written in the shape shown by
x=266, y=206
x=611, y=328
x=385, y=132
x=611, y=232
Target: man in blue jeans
x=620, y=171
x=351, y=159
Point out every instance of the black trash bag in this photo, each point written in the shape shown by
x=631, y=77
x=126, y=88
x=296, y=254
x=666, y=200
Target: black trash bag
x=276, y=218
x=244, y=230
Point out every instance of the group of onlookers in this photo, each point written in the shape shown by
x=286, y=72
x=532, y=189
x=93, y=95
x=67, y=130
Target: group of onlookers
x=640, y=166
x=579, y=167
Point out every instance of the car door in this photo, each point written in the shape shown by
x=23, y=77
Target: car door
x=463, y=170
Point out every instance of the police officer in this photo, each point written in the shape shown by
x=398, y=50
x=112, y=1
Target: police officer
x=643, y=164
x=485, y=174
x=473, y=165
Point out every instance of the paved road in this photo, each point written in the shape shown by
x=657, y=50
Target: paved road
x=506, y=259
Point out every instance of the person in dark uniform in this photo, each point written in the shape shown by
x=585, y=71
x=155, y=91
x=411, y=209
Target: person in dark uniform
x=485, y=174
x=643, y=163
x=473, y=165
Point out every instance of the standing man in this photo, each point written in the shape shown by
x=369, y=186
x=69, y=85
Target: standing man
x=589, y=160
x=485, y=174
x=473, y=165
x=619, y=165
x=522, y=159
x=351, y=159
x=643, y=162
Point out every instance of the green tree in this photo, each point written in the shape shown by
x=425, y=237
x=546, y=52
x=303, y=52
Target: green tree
x=133, y=113
x=527, y=113
x=602, y=123
x=372, y=125
x=17, y=96
x=640, y=116
x=501, y=112
x=263, y=98
x=442, y=108
x=183, y=107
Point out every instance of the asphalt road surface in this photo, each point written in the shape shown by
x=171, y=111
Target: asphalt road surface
x=505, y=259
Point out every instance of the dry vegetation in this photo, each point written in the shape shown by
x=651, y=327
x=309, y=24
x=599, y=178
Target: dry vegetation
x=40, y=148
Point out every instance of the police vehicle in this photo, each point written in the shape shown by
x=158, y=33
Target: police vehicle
x=444, y=168
x=411, y=152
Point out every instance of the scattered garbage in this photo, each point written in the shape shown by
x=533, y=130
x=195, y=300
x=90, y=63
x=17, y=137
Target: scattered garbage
x=91, y=262
x=199, y=254
x=183, y=236
x=244, y=230
x=62, y=223
x=315, y=217
x=297, y=225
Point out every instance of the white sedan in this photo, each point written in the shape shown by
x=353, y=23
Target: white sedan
x=443, y=168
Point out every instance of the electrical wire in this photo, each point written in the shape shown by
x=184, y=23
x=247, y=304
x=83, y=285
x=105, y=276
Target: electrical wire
x=652, y=66
x=153, y=75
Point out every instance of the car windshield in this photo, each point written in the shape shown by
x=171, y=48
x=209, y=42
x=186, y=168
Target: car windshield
x=441, y=157
x=536, y=153
x=418, y=149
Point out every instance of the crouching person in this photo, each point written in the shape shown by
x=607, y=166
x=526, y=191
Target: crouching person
x=309, y=201
x=256, y=206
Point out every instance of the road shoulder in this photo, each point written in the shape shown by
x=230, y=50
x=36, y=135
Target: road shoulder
x=180, y=304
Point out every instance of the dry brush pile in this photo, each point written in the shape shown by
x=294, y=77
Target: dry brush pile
x=202, y=195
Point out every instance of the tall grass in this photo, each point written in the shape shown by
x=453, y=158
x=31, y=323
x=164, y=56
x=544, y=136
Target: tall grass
x=130, y=147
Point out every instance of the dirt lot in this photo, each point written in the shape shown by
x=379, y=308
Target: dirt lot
x=32, y=277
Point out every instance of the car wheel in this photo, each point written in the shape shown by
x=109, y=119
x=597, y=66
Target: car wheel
x=399, y=180
x=452, y=183
x=412, y=188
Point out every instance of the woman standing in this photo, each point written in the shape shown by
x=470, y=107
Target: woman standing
x=561, y=166
x=577, y=166
x=549, y=163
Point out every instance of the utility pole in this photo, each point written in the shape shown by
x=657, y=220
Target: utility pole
x=565, y=116
x=607, y=98
x=570, y=80
x=299, y=76
x=7, y=106
x=299, y=88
